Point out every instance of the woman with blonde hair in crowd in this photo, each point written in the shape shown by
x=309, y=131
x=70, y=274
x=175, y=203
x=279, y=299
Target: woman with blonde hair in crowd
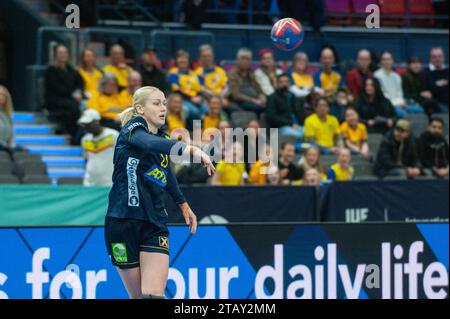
x=6, y=111
x=90, y=73
x=109, y=102
x=312, y=159
x=302, y=81
x=175, y=113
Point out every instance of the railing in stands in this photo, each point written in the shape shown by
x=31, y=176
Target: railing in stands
x=258, y=12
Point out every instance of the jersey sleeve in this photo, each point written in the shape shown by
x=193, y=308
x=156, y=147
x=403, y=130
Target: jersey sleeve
x=137, y=135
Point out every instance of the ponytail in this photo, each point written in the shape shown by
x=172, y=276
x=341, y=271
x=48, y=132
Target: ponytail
x=126, y=115
x=139, y=98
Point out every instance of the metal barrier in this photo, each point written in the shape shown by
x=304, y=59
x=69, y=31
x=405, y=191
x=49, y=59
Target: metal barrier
x=49, y=36
x=168, y=42
x=132, y=40
x=35, y=86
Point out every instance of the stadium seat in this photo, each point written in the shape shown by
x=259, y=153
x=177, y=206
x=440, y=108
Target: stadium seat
x=425, y=178
x=6, y=167
x=395, y=178
x=263, y=121
x=9, y=179
x=419, y=9
x=70, y=181
x=341, y=8
x=241, y=118
x=365, y=178
x=286, y=139
x=18, y=156
x=419, y=123
x=359, y=7
x=328, y=160
x=392, y=12
x=31, y=167
x=37, y=179
x=357, y=159
x=363, y=169
x=374, y=141
x=4, y=156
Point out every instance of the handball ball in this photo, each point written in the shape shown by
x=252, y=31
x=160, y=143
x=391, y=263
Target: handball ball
x=287, y=34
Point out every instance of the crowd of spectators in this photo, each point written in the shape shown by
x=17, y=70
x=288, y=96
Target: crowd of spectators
x=325, y=113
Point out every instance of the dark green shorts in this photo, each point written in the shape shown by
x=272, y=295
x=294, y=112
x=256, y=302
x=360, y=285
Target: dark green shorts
x=126, y=238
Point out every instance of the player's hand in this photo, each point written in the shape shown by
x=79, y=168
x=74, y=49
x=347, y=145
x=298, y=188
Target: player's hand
x=204, y=159
x=206, y=162
x=189, y=217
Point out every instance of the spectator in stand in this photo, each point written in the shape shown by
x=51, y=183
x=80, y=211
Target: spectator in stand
x=259, y=170
x=374, y=109
x=64, y=92
x=118, y=65
x=289, y=172
x=175, y=113
x=245, y=90
x=6, y=111
x=340, y=104
x=151, y=73
x=273, y=177
x=415, y=86
x=134, y=83
x=251, y=143
x=90, y=73
x=327, y=80
x=266, y=74
x=215, y=114
x=341, y=171
x=186, y=82
x=109, y=103
x=311, y=178
x=354, y=133
x=434, y=148
x=357, y=76
x=322, y=129
x=98, y=148
x=398, y=154
x=391, y=85
x=437, y=76
x=302, y=81
x=231, y=170
x=312, y=159
x=213, y=78
x=284, y=110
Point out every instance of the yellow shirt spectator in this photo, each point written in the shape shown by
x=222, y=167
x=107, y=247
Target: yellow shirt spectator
x=91, y=81
x=323, y=132
x=214, y=79
x=257, y=175
x=330, y=82
x=356, y=135
x=174, y=121
x=120, y=73
x=231, y=174
x=185, y=82
x=337, y=173
x=302, y=81
x=109, y=106
x=126, y=98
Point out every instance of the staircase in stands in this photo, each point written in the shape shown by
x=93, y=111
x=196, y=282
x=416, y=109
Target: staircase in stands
x=35, y=133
